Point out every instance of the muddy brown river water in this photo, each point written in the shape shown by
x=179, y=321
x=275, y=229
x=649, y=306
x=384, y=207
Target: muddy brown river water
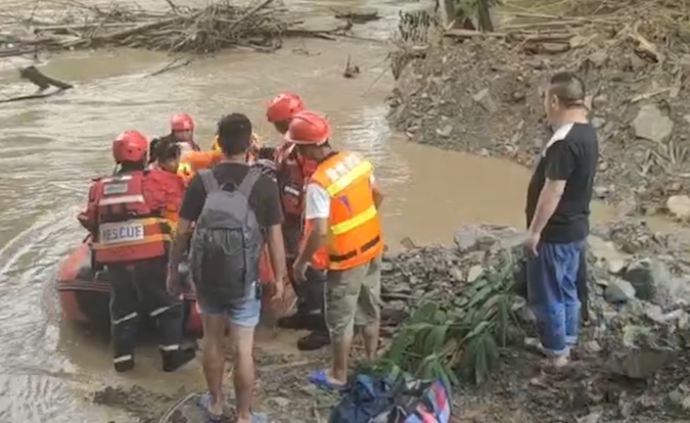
x=50, y=150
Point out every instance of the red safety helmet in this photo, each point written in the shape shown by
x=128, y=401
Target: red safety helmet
x=308, y=128
x=283, y=107
x=130, y=146
x=182, y=122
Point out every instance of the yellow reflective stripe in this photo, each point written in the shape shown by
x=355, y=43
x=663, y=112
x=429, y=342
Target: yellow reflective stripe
x=336, y=265
x=356, y=173
x=354, y=222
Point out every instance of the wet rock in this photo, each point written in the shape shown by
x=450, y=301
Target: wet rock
x=598, y=59
x=602, y=191
x=281, y=402
x=652, y=124
x=592, y=347
x=474, y=273
x=679, y=206
x=598, y=122
x=537, y=64
x=619, y=291
x=445, y=131
x=518, y=96
x=616, y=266
x=554, y=48
x=594, y=417
x=485, y=100
x=457, y=274
x=646, y=275
x=680, y=398
x=641, y=363
x=525, y=314
x=635, y=63
x=600, y=101
x=483, y=237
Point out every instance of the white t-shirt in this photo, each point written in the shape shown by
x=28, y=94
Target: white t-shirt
x=318, y=201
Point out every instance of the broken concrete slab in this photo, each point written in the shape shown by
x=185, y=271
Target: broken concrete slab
x=652, y=124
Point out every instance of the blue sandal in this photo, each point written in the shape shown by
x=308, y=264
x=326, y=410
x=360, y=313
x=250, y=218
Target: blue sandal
x=259, y=418
x=320, y=379
x=204, y=403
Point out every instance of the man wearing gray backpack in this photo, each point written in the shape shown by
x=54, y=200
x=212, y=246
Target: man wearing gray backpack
x=235, y=209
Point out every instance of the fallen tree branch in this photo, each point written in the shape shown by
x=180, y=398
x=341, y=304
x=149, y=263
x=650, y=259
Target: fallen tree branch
x=175, y=64
x=42, y=81
x=31, y=96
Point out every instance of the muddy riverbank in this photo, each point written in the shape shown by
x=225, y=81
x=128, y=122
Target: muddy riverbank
x=634, y=307
x=481, y=95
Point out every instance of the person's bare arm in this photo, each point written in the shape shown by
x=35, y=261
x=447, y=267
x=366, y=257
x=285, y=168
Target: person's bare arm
x=560, y=163
x=276, y=249
x=316, y=239
x=378, y=195
x=180, y=242
x=549, y=198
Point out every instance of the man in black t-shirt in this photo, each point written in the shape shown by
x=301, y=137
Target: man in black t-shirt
x=558, y=200
x=242, y=314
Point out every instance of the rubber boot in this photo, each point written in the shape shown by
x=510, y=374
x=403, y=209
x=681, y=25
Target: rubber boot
x=124, y=340
x=309, y=312
x=303, y=319
x=173, y=360
x=314, y=341
x=173, y=353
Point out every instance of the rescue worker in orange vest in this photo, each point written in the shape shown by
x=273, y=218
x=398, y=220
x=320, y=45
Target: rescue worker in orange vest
x=131, y=240
x=293, y=170
x=342, y=235
x=181, y=132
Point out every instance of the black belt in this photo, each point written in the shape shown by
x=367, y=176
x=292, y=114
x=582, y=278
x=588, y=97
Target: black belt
x=352, y=254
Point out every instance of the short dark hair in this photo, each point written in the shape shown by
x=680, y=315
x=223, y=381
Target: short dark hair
x=568, y=88
x=163, y=149
x=234, y=134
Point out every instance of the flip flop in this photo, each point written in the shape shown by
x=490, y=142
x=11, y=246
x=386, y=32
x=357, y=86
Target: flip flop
x=320, y=379
x=204, y=403
x=259, y=418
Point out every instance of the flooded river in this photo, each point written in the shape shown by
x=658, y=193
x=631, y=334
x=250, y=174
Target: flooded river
x=51, y=149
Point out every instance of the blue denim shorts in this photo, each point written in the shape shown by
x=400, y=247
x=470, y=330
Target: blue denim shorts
x=244, y=312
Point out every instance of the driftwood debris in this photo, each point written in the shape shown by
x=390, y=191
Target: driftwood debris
x=640, y=22
x=219, y=25
x=358, y=18
x=42, y=81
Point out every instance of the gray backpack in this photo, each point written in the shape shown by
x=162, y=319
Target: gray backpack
x=227, y=241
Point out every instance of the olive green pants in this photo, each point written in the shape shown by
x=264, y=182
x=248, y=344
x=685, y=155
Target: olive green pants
x=353, y=298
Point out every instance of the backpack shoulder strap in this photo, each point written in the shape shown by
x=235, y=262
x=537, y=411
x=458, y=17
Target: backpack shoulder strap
x=210, y=182
x=249, y=181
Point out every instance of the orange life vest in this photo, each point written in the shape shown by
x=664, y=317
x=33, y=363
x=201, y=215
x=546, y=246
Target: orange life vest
x=193, y=161
x=354, y=225
x=127, y=229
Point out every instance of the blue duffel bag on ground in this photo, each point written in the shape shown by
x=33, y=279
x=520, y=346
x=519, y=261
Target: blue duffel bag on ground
x=371, y=399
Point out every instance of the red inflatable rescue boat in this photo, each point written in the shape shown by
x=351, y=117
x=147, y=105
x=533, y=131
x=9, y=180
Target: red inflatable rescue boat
x=85, y=294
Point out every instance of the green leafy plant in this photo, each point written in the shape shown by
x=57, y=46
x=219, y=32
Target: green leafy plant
x=458, y=340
